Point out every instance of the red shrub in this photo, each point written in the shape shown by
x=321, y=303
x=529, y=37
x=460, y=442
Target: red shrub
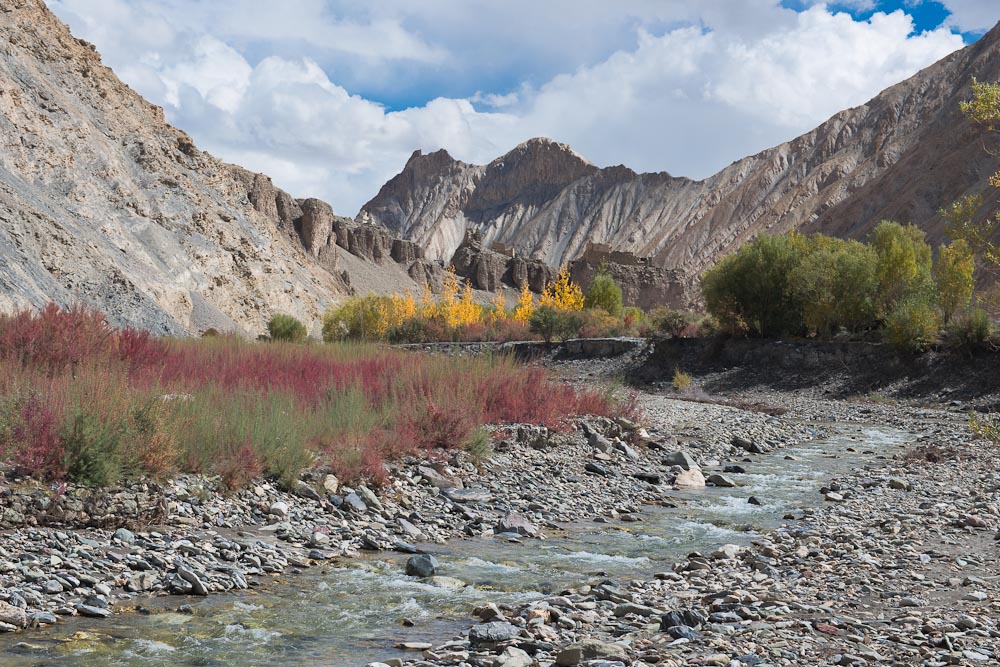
x=35, y=445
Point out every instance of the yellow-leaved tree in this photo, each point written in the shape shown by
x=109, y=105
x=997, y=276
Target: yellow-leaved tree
x=562, y=293
x=525, y=304
x=953, y=269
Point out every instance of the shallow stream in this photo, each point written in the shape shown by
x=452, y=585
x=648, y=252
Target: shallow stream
x=352, y=615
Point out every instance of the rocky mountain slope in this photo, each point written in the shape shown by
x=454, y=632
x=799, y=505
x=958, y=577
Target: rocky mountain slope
x=903, y=155
x=103, y=202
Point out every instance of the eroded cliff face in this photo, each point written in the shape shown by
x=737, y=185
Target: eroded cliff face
x=903, y=155
x=102, y=202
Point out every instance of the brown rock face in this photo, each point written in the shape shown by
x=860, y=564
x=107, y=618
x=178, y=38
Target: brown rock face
x=903, y=155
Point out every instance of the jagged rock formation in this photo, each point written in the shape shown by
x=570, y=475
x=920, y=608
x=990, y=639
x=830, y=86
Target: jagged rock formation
x=103, y=202
x=643, y=284
x=491, y=270
x=903, y=155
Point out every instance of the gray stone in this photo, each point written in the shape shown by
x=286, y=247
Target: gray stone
x=515, y=523
x=590, y=649
x=469, y=495
x=437, y=480
x=690, y=479
x=279, y=509
x=124, y=536
x=680, y=458
x=721, y=480
x=599, y=442
x=688, y=617
x=353, y=502
x=494, y=632
x=422, y=566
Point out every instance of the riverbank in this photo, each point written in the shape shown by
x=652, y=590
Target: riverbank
x=884, y=566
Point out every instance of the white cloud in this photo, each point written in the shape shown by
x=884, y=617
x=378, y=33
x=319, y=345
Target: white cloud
x=972, y=15
x=668, y=85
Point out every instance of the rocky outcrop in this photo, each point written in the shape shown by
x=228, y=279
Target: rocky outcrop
x=643, y=285
x=490, y=270
x=903, y=155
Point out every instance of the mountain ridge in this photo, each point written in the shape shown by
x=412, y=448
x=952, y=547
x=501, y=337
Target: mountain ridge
x=832, y=179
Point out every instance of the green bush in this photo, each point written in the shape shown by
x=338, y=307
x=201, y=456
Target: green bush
x=751, y=292
x=93, y=450
x=286, y=328
x=604, y=293
x=836, y=282
x=669, y=322
x=912, y=326
x=551, y=323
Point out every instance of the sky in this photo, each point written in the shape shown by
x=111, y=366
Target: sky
x=330, y=97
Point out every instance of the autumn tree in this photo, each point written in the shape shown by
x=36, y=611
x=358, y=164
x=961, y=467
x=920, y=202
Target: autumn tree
x=562, y=293
x=953, y=270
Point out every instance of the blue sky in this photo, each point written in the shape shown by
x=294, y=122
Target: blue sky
x=330, y=97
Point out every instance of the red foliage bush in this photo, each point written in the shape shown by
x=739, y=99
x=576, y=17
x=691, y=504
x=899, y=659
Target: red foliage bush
x=242, y=409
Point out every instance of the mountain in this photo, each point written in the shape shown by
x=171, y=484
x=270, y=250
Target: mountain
x=903, y=155
x=103, y=202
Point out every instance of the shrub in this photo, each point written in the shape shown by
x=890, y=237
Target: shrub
x=594, y=324
x=912, y=326
x=969, y=331
x=604, y=293
x=836, y=282
x=682, y=381
x=669, y=322
x=551, y=323
x=479, y=446
x=286, y=328
x=633, y=319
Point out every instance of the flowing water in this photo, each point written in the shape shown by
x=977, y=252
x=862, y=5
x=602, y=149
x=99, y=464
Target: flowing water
x=347, y=616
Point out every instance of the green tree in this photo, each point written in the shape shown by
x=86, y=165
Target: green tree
x=751, y=291
x=287, y=328
x=903, y=267
x=604, y=293
x=953, y=269
x=836, y=284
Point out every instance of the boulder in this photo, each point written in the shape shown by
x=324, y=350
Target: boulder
x=515, y=523
x=690, y=479
x=590, y=649
x=494, y=632
x=680, y=458
x=422, y=566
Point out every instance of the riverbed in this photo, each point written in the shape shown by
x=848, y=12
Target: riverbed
x=357, y=611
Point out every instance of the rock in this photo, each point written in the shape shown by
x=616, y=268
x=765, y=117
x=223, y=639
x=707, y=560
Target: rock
x=331, y=484
x=629, y=453
x=833, y=497
x=747, y=445
x=279, y=509
x=651, y=477
x=369, y=498
x=422, y=566
x=437, y=480
x=353, y=502
x=124, y=536
x=686, y=617
x=727, y=552
x=690, y=479
x=513, y=657
x=93, y=612
x=12, y=615
x=447, y=582
x=469, y=495
x=680, y=458
x=197, y=586
x=900, y=484
x=734, y=469
x=683, y=632
x=754, y=500
x=494, y=632
x=721, y=480
x=599, y=442
x=590, y=649
x=598, y=469
x=627, y=608
x=515, y=523
x=304, y=490
x=409, y=529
